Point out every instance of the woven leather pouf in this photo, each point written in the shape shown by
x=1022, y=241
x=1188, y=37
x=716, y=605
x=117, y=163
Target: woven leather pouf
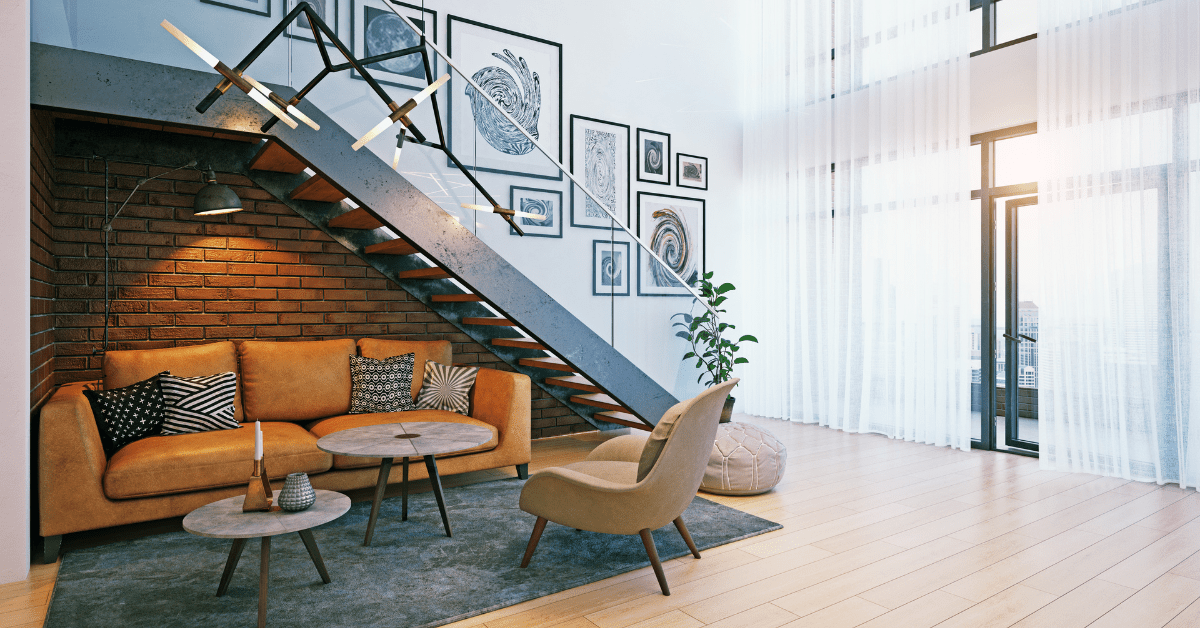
x=745, y=460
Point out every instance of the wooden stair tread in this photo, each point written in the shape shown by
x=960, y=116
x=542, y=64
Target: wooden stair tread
x=578, y=382
x=317, y=188
x=273, y=157
x=455, y=298
x=623, y=418
x=553, y=364
x=399, y=246
x=488, y=320
x=518, y=343
x=599, y=400
x=357, y=218
x=424, y=273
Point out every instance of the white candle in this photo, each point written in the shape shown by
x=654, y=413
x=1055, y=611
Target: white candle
x=258, y=447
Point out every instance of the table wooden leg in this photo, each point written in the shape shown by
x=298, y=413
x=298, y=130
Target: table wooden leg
x=263, y=572
x=385, y=469
x=435, y=480
x=404, y=493
x=235, y=554
x=315, y=554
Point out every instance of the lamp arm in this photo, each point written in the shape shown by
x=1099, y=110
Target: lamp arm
x=108, y=223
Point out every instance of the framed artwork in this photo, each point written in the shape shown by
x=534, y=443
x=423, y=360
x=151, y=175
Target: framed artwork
x=545, y=202
x=600, y=160
x=375, y=30
x=257, y=7
x=610, y=268
x=672, y=227
x=653, y=157
x=524, y=74
x=300, y=29
x=691, y=171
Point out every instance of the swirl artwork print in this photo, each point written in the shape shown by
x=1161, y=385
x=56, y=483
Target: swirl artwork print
x=692, y=170
x=610, y=268
x=653, y=154
x=537, y=202
x=600, y=162
x=510, y=109
x=673, y=229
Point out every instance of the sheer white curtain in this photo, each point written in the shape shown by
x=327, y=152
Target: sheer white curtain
x=1116, y=237
x=858, y=216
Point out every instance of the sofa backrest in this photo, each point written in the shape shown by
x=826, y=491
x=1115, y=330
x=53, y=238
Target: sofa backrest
x=122, y=368
x=295, y=381
x=437, y=350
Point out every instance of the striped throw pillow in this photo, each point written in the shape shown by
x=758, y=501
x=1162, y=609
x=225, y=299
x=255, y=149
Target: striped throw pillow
x=198, y=404
x=446, y=387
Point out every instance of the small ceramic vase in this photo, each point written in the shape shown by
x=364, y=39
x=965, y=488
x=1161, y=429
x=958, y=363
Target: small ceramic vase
x=297, y=493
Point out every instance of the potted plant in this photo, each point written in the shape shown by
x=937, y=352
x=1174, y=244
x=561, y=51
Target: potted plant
x=712, y=350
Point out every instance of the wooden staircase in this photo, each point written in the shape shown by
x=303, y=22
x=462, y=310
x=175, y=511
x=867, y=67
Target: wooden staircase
x=322, y=202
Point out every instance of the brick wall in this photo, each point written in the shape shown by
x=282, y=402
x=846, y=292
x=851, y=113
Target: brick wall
x=179, y=279
x=41, y=257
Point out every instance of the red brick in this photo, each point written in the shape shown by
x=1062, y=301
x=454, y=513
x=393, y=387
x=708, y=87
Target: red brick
x=174, y=226
x=277, y=257
x=275, y=331
x=201, y=319
x=202, y=294
x=206, y=268
x=253, y=293
x=277, y=282
x=277, y=233
x=343, y=271
x=299, y=246
x=145, y=320
x=146, y=266
x=223, y=255
x=172, y=200
x=222, y=229
x=229, y=332
x=301, y=319
x=346, y=317
x=202, y=242
x=149, y=239
x=300, y=295
x=322, y=282
x=229, y=306
x=277, y=306
x=224, y=281
x=174, y=253
x=252, y=218
x=176, y=280
x=300, y=271
x=323, y=306
x=325, y=330
x=146, y=293
x=251, y=269
x=159, y=333
x=322, y=258
x=178, y=306
x=253, y=319
x=251, y=244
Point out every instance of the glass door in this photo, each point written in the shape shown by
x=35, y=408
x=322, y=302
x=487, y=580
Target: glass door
x=1017, y=333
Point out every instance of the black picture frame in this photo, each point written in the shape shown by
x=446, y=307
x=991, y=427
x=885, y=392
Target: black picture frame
x=644, y=135
x=679, y=168
x=297, y=29
x=358, y=42
x=644, y=259
x=578, y=197
x=531, y=227
x=457, y=85
x=243, y=7
x=598, y=246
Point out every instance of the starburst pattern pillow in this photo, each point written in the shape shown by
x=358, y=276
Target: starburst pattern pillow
x=381, y=385
x=124, y=415
x=446, y=387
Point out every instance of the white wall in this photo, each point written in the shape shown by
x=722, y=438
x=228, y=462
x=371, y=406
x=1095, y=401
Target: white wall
x=662, y=66
x=14, y=319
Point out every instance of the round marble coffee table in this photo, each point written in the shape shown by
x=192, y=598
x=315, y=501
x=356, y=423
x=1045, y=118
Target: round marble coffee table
x=405, y=440
x=225, y=520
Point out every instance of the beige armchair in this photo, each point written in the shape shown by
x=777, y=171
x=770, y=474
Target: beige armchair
x=625, y=487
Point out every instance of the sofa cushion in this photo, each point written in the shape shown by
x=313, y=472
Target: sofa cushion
x=338, y=423
x=436, y=350
x=295, y=381
x=381, y=385
x=122, y=368
x=198, y=404
x=162, y=465
x=124, y=415
x=447, y=388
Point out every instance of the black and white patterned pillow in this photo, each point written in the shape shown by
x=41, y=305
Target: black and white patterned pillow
x=446, y=387
x=381, y=385
x=199, y=404
x=124, y=415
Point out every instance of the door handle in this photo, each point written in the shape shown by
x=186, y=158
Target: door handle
x=1034, y=340
x=1012, y=338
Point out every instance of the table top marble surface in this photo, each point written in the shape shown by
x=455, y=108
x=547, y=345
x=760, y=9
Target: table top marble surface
x=404, y=440
x=225, y=519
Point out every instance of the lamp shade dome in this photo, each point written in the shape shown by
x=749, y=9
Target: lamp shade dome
x=215, y=198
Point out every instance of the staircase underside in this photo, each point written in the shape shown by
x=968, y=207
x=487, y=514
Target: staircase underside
x=612, y=392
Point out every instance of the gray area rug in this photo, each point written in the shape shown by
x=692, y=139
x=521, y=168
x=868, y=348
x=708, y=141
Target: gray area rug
x=411, y=576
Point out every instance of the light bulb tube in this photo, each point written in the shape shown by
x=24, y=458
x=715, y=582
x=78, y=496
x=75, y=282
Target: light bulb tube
x=519, y=214
x=399, y=147
x=192, y=45
x=270, y=106
x=379, y=128
x=295, y=111
x=423, y=94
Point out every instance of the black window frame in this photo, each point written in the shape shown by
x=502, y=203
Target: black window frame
x=989, y=28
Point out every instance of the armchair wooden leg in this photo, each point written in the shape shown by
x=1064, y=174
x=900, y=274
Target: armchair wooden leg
x=533, y=541
x=687, y=538
x=648, y=541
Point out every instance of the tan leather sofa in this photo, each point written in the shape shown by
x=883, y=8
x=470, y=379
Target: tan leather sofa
x=300, y=391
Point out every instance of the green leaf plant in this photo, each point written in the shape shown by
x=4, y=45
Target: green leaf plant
x=711, y=349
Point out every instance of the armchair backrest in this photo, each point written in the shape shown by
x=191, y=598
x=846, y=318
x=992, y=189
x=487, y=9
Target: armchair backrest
x=679, y=469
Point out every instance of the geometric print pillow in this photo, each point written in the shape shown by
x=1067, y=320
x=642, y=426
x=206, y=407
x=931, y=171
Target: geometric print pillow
x=446, y=387
x=124, y=415
x=199, y=404
x=381, y=385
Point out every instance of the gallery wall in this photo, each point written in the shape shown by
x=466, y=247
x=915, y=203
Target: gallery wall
x=645, y=65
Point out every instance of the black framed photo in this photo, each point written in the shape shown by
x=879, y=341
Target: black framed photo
x=691, y=171
x=257, y=7
x=547, y=203
x=527, y=71
x=600, y=160
x=300, y=29
x=653, y=157
x=672, y=227
x=610, y=268
x=375, y=30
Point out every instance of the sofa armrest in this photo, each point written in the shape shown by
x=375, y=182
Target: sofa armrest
x=503, y=399
x=71, y=461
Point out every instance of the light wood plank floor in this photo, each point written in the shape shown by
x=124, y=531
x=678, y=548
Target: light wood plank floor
x=880, y=533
